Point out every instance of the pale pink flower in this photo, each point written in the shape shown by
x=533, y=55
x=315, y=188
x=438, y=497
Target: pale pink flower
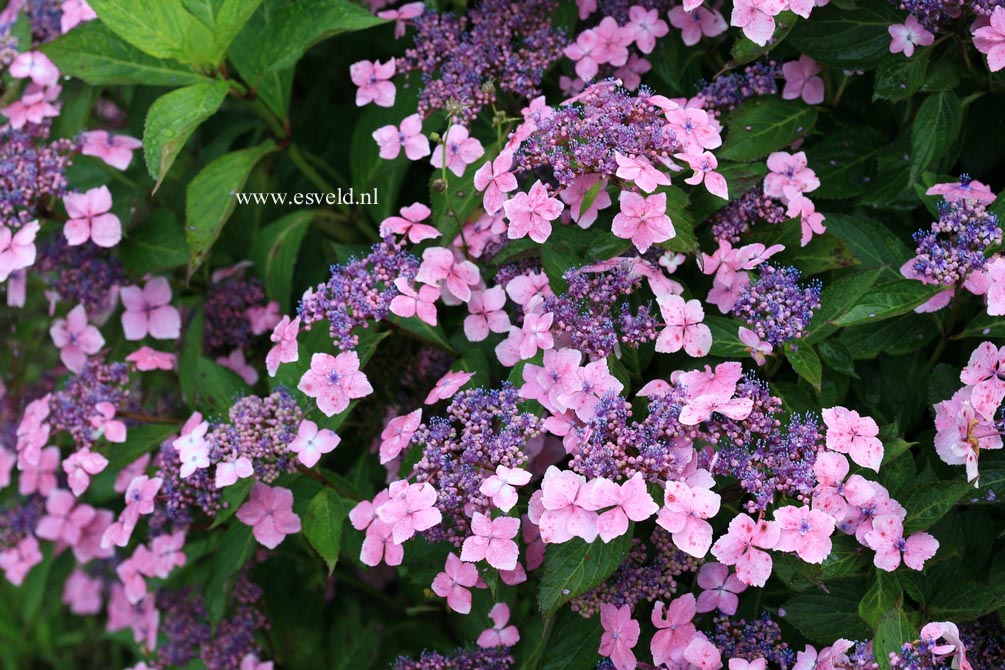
x=334, y=380
x=447, y=385
x=962, y=432
x=74, y=13
x=574, y=195
x=148, y=311
x=887, y=539
x=757, y=18
x=269, y=511
x=458, y=149
x=64, y=520
x=646, y=26
x=643, y=220
x=284, y=350
x=593, y=381
x=236, y=363
x=379, y=546
x=17, y=561
x=397, y=434
x=586, y=52
x=535, y=334
x=693, y=23
x=629, y=501
x=228, y=472
x=76, y=339
x=695, y=128
x=621, y=634
x=79, y=466
x=36, y=66
x=409, y=224
x=90, y=218
x=684, y=513
x=855, y=435
x=759, y=350
x=631, y=72
x=720, y=383
x=409, y=302
x=409, y=508
x=496, y=180
x=115, y=150
x=908, y=35
x=141, y=493
x=804, y=531
x=684, y=327
x=167, y=554
x=612, y=42
x=455, y=582
x=830, y=470
x=500, y=635
x=954, y=647
x=262, y=318
x=39, y=477
x=702, y=654
x=742, y=544
x=373, y=80
x=82, y=593
x=810, y=220
x=17, y=250
x=391, y=139
x=531, y=213
x=250, y=662
x=525, y=288
x=567, y=509
x=492, y=540
x=146, y=359
x=720, y=589
x=35, y=106
x=704, y=165
x=642, y=173
x=193, y=451
x=985, y=371
x=674, y=629
x=789, y=177
x=107, y=425
x=401, y=17
x=311, y=443
x=501, y=486
x=972, y=190
x=744, y=664
x=441, y=268
x=89, y=545
x=802, y=80
x=486, y=314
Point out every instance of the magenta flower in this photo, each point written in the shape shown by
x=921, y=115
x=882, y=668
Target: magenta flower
x=409, y=302
x=90, y=218
x=455, y=582
x=630, y=501
x=76, y=339
x=149, y=311
x=720, y=589
x=693, y=23
x=17, y=250
x=269, y=512
x=448, y=385
x=334, y=380
x=141, y=493
x=457, y=151
x=757, y=18
x=908, y=35
x=493, y=541
x=887, y=539
x=36, y=66
x=79, y=466
x=642, y=173
x=310, y=443
x=805, y=531
x=684, y=513
x=621, y=634
x=741, y=546
x=486, y=314
x=568, y=510
x=674, y=629
x=985, y=372
x=496, y=180
x=849, y=433
x=684, y=327
x=500, y=635
x=146, y=359
x=501, y=486
x=397, y=434
x=409, y=508
x=643, y=220
x=646, y=26
x=802, y=81
x=392, y=139
x=440, y=267
x=531, y=213
x=704, y=165
x=115, y=150
x=789, y=177
x=409, y=224
x=64, y=520
x=373, y=80
x=285, y=348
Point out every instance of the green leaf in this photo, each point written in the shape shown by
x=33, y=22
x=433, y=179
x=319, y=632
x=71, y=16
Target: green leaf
x=837, y=357
x=233, y=497
x=434, y=335
x=983, y=326
x=275, y=254
x=94, y=53
x=161, y=28
x=766, y=124
x=893, y=629
x=231, y=17
x=887, y=300
x=216, y=385
x=574, y=567
x=143, y=439
x=805, y=362
x=234, y=549
x=210, y=200
x=872, y=242
x=684, y=239
x=573, y=644
x=157, y=244
x=323, y=525
x=836, y=299
x=927, y=503
x=845, y=161
x=884, y=593
x=273, y=87
x=898, y=78
x=173, y=118
x=825, y=617
x=846, y=39
x=725, y=337
x=935, y=130
x=822, y=253
x=963, y=602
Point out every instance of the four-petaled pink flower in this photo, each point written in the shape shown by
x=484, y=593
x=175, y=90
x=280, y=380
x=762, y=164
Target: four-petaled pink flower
x=236, y=363
x=855, y=435
x=447, y=385
x=805, y=531
x=646, y=26
x=985, y=372
x=696, y=22
x=759, y=349
x=392, y=139
x=39, y=477
x=531, y=213
x=500, y=487
x=440, y=267
x=704, y=165
x=79, y=466
x=789, y=177
x=409, y=224
x=592, y=381
x=757, y=18
x=401, y=17
x=684, y=514
x=17, y=250
x=228, y=472
x=494, y=177
x=285, y=349
x=990, y=40
x=269, y=511
x=17, y=561
x=76, y=339
x=720, y=589
x=802, y=80
x=963, y=432
x=486, y=314
x=193, y=452
x=457, y=151
x=492, y=540
x=568, y=510
x=674, y=629
x=642, y=173
x=146, y=359
x=887, y=539
x=908, y=35
x=621, y=634
x=310, y=443
x=409, y=508
x=90, y=218
x=115, y=150
x=149, y=311
x=397, y=434
x=741, y=546
x=36, y=66
x=35, y=106
x=500, y=635
x=409, y=302
x=64, y=519
x=643, y=220
x=630, y=501
x=373, y=82
x=455, y=582
x=535, y=334
x=334, y=380
x=684, y=327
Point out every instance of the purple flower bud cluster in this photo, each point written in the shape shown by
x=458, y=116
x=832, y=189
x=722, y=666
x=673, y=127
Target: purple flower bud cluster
x=759, y=423
x=8, y=47
x=260, y=429
x=499, y=44
x=32, y=171
x=760, y=638
x=482, y=430
x=918, y=655
x=585, y=314
x=735, y=219
x=861, y=657
x=932, y=14
x=19, y=519
x=184, y=627
x=85, y=274
x=178, y=497
x=985, y=642
x=496, y=658
x=73, y=408
x=357, y=291
x=583, y=137
x=619, y=8
x=984, y=7
x=728, y=91
x=227, y=326
x=44, y=16
x=954, y=246
x=649, y=573
x=776, y=307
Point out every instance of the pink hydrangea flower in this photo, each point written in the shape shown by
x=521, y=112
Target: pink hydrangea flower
x=486, y=314
x=64, y=519
x=39, y=477
x=684, y=327
x=574, y=195
x=641, y=172
x=720, y=589
x=704, y=165
x=35, y=106
x=284, y=350
x=76, y=339
x=74, y=13
x=36, y=66
x=702, y=654
x=612, y=42
x=830, y=470
x=115, y=150
x=887, y=539
x=643, y=220
x=236, y=363
x=397, y=434
x=447, y=385
x=759, y=350
x=621, y=634
x=334, y=380
x=17, y=561
x=146, y=359
x=409, y=302
x=262, y=318
x=804, y=531
x=810, y=220
x=458, y=150
x=82, y=593
x=269, y=512
x=90, y=218
x=695, y=128
x=250, y=662
x=409, y=508
x=228, y=472
x=535, y=334
x=684, y=513
x=492, y=540
x=373, y=80
x=593, y=381
x=587, y=54
x=742, y=544
x=757, y=18
x=496, y=180
x=409, y=224
x=629, y=501
x=17, y=250
x=962, y=432
x=744, y=664
x=310, y=443
x=568, y=509
x=802, y=80
x=193, y=452
x=693, y=23
x=391, y=139
x=500, y=635
x=646, y=26
x=674, y=629
x=531, y=213
x=148, y=311
x=789, y=177
x=401, y=16
x=954, y=647
x=855, y=435
x=985, y=372
x=166, y=550
x=501, y=486
x=971, y=190
x=440, y=267
x=79, y=466
x=455, y=582
x=908, y=35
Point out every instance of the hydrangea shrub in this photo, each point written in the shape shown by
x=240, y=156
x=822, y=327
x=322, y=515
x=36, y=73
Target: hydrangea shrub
x=668, y=334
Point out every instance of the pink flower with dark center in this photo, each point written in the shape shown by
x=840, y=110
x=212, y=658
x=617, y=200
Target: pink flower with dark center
x=457, y=151
x=674, y=629
x=311, y=443
x=789, y=177
x=269, y=512
x=567, y=508
x=804, y=531
x=440, y=267
x=693, y=23
x=392, y=139
x=742, y=546
x=530, y=214
x=704, y=165
x=684, y=327
x=486, y=314
x=334, y=380
x=492, y=540
x=757, y=18
x=36, y=66
x=501, y=486
x=621, y=634
x=64, y=519
x=643, y=220
x=79, y=466
x=409, y=508
x=646, y=26
x=76, y=339
x=694, y=128
x=594, y=380
x=409, y=302
x=372, y=78
x=720, y=589
x=638, y=170
x=397, y=434
x=887, y=539
x=855, y=435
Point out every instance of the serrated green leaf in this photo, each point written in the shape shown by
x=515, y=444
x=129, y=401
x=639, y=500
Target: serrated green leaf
x=846, y=39
x=574, y=567
x=893, y=629
x=323, y=523
x=936, y=128
x=233, y=497
x=156, y=244
x=805, y=362
x=884, y=594
x=161, y=28
x=927, y=503
x=825, y=617
x=275, y=254
x=766, y=124
x=887, y=300
x=898, y=78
